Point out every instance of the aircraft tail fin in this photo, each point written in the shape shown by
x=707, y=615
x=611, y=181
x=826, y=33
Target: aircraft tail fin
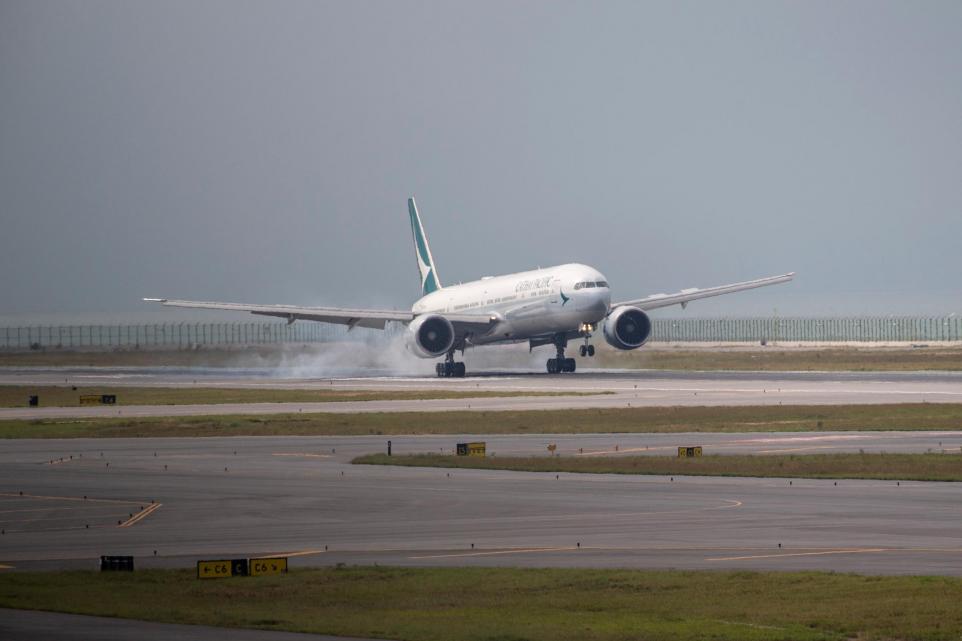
x=429, y=273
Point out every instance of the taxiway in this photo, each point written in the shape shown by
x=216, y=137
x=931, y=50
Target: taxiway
x=170, y=502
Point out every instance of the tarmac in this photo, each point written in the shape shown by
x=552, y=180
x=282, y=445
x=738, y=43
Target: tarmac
x=170, y=502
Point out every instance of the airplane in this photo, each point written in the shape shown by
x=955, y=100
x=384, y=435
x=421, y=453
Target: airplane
x=545, y=306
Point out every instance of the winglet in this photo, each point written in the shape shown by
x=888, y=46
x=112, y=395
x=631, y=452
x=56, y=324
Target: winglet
x=429, y=273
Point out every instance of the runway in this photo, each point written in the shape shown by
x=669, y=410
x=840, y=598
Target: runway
x=607, y=389
x=170, y=502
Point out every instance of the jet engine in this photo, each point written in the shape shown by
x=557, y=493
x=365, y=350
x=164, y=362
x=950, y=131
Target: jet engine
x=627, y=327
x=430, y=335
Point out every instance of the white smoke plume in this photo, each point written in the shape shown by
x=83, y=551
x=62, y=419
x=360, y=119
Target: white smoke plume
x=371, y=353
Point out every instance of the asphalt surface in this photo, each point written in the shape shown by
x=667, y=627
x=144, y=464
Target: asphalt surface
x=621, y=389
x=49, y=626
x=187, y=499
x=171, y=502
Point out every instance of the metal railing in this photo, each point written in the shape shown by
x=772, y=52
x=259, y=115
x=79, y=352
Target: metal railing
x=190, y=335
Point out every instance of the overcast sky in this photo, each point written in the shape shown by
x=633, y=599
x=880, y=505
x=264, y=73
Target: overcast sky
x=263, y=151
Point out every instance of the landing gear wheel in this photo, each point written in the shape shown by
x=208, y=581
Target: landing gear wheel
x=562, y=364
x=591, y=350
x=584, y=351
x=450, y=369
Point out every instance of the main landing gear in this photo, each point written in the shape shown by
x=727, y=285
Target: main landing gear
x=560, y=364
x=449, y=368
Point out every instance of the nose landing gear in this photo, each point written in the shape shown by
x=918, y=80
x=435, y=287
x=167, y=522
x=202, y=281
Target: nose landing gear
x=586, y=331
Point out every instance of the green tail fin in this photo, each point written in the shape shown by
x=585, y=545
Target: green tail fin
x=429, y=274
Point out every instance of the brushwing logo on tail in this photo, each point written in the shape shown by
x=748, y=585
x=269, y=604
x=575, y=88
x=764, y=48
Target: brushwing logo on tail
x=429, y=280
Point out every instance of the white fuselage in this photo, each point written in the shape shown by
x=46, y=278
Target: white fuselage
x=541, y=302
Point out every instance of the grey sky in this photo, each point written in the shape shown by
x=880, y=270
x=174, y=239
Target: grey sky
x=263, y=152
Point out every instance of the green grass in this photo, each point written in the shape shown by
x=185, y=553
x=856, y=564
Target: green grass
x=451, y=604
x=905, y=467
x=69, y=396
x=788, y=418
x=779, y=359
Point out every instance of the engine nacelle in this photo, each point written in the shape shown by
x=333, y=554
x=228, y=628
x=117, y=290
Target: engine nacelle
x=627, y=328
x=430, y=335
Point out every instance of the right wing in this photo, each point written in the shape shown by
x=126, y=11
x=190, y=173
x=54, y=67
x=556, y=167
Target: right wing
x=687, y=295
x=375, y=318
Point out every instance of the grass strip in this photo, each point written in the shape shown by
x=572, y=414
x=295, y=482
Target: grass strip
x=774, y=359
x=449, y=604
x=904, y=467
x=765, y=418
x=69, y=396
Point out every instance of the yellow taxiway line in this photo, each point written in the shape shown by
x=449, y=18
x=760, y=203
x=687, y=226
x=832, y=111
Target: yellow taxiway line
x=67, y=498
x=279, y=555
x=140, y=516
x=301, y=454
x=496, y=552
x=787, y=554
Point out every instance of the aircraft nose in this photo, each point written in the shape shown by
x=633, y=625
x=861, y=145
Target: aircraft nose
x=595, y=301
x=602, y=301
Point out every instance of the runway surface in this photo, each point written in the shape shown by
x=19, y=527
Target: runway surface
x=612, y=389
x=170, y=502
x=50, y=626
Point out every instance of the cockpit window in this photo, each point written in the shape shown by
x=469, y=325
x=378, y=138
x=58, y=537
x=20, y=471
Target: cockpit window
x=588, y=283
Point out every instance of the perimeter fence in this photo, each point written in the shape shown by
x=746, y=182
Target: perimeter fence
x=720, y=330
x=812, y=330
x=173, y=335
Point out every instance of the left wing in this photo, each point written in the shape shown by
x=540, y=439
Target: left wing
x=687, y=295
x=375, y=318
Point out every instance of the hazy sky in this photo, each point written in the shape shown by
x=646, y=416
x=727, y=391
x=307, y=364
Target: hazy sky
x=263, y=151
